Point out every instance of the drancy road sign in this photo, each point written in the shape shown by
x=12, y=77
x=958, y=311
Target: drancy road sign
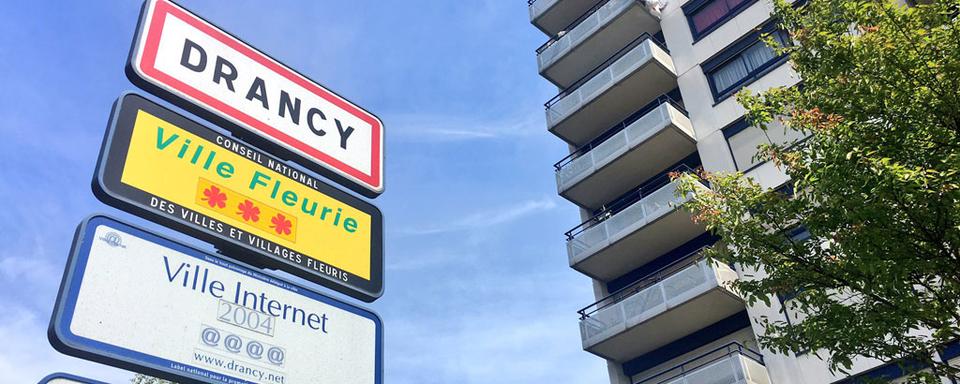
x=167, y=168
x=194, y=64
x=142, y=302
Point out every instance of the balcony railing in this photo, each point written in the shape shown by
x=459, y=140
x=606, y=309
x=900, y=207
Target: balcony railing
x=634, y=288
x=631, y=131
x=591, y=77
x=730, y=364
x=539, y=6
x=649, y=201
x=653, y=299
x=589, y=25
x=571, y=28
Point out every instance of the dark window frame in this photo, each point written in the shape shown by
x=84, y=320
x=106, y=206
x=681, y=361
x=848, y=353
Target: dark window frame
x=731, y=130
x=691, y=8
x=733, y=51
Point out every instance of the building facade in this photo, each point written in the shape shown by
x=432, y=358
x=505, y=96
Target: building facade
x=645, y=89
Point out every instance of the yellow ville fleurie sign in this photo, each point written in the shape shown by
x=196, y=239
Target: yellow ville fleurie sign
x=190, y=177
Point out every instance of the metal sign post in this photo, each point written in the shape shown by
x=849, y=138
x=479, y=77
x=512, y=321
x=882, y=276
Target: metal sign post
x=139, y=301
x=211, y=73
x=66, y=378
x=162, y=166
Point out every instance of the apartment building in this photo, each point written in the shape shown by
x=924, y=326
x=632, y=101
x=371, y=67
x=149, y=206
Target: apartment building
x=646, y=89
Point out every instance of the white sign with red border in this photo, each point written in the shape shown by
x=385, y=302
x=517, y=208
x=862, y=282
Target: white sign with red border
x=194, y=63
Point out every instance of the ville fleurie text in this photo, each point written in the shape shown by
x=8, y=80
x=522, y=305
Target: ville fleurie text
x=255, y=207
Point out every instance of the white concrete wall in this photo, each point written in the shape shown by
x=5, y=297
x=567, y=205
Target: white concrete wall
x=708, y=116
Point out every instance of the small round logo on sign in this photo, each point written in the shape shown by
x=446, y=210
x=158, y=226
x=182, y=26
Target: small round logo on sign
x=113, y=239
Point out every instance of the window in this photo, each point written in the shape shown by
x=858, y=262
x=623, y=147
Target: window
x=744, y=138
x=799, y=233
x=707, y=15
x=742, y=62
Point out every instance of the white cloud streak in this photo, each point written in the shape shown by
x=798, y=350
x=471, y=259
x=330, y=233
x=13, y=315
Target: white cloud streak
x=458, y=128
x=487, y=218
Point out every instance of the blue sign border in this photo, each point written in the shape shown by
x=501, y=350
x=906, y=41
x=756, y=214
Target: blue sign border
x=67, y=376
x=65, y=341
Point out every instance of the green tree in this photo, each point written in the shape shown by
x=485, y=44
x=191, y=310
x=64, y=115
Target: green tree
x=144, y=379
x=877, y=185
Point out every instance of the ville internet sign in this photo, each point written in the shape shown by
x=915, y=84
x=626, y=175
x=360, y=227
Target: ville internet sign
x=143, y=302
x=169, y=169
x=193, y=63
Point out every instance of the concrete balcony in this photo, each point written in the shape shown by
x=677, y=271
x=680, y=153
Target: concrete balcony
x=615, y=242
x=640, y=147
x=730, y=364
x=594, y=37
x=634, y=76
x=651, y=314
x=551, y=16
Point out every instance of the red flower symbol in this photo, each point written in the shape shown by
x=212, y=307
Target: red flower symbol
x=214, y=197
x=249, y=211
x=281, y=224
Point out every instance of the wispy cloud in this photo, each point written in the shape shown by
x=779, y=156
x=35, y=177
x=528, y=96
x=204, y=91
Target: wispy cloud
x=426, y=127
x=486, y=218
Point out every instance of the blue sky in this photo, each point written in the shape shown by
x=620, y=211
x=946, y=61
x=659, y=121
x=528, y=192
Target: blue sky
x=478, y=289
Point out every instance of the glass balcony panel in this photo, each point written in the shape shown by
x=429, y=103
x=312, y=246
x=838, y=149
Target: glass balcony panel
x=730, y=368
x=644, y=304
x=563, y=107
x=648, y=302
x=662, y=201
x=725, y=371
x=630, y=61
x=631, y=218
x=576, y=169
x=615, y=145
x=596, y=84
x=539, y=6
x=623, y=66
x=560, y=46
x=613, y=7
x=687, y=283
x=631, y=136
x=552, y=52
x=582, y=30
x=649, y=124
x=603, y=324
x=587, y=239
x=603, y=163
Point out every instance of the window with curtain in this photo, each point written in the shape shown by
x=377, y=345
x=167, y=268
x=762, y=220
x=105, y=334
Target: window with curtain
x=711, y=14
x=740, y=63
